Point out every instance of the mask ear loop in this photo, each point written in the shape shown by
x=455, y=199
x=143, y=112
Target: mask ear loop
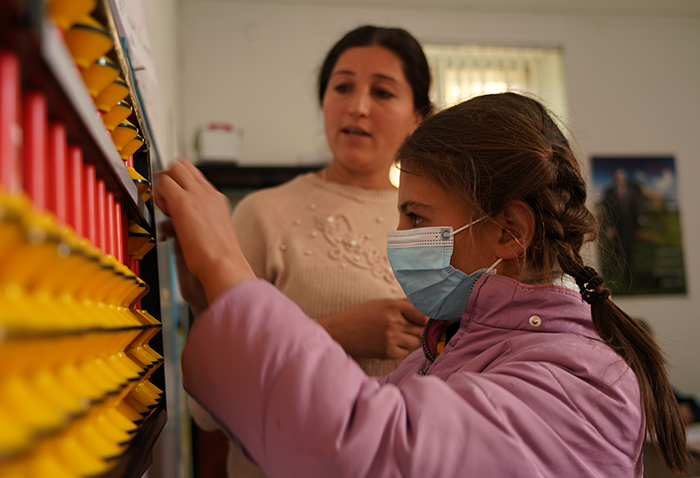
x=468, y=225
x=492, y=269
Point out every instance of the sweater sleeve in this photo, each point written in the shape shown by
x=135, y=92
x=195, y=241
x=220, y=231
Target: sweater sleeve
x=200, y=416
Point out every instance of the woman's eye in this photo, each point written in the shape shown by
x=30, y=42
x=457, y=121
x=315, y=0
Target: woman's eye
x=384, y=94
x=342, y=88
x=417, y=220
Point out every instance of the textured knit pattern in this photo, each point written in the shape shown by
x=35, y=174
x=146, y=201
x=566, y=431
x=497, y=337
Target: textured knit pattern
x=323, y=245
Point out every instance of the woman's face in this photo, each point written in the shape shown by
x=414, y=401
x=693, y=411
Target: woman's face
x=368, y=109
x=422, y=203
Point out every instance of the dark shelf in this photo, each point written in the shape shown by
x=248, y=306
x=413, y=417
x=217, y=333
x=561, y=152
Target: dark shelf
x=227, y=175
x=138, y=457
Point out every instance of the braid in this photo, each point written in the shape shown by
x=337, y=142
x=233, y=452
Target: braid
x=565, y=225
x=560, y=209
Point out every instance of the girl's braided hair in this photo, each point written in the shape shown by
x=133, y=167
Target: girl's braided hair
x=495, y=149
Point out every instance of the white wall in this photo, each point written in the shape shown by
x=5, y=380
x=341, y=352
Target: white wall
x=163, y=21
x=633, y=85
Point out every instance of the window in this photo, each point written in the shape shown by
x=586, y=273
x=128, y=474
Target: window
x=461, y=72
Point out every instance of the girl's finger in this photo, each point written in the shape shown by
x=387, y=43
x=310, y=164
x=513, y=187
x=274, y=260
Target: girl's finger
x=181, y=172
x=196, y=174
x=166, y=192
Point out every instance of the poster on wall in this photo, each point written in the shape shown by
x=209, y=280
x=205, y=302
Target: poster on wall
x=640, y=245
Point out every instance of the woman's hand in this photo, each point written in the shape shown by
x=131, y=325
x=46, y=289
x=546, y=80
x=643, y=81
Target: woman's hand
x=381, y=328
x=201, y=222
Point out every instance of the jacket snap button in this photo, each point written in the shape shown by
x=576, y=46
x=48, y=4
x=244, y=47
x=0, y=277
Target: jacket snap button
x=535, y=321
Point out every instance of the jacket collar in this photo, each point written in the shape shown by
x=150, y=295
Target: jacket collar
x=498, y=302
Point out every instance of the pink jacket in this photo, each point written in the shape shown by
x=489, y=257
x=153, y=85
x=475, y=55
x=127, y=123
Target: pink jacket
x=524, y=388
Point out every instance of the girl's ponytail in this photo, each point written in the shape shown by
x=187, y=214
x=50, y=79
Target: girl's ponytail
x=633, y=342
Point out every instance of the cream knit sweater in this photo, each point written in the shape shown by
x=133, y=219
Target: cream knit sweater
x=323, y=245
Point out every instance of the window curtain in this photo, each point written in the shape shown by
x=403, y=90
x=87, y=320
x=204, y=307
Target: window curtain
x=461, y=72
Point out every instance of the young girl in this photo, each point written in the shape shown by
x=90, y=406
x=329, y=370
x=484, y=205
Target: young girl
x=517, y=376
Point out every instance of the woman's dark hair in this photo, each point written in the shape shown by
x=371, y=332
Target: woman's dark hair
x=495, y=149
x=399, y=42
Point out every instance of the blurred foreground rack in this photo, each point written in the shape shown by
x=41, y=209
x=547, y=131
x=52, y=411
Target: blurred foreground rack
x=81, y=382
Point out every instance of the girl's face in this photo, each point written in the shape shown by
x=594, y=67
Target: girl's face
x=422, y=203
x=368, y=109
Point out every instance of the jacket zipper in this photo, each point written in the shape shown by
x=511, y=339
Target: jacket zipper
x=426, y=351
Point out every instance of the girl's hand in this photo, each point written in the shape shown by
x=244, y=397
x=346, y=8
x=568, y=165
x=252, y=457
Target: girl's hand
x=201, y=223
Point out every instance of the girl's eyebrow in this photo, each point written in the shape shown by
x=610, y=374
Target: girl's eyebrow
x=406, y=205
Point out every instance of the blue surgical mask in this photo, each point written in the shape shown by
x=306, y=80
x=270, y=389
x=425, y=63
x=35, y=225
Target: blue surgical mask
x=420, y=259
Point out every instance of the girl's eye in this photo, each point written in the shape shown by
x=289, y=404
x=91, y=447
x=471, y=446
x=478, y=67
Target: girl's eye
x=342, y=88
x=417, y=220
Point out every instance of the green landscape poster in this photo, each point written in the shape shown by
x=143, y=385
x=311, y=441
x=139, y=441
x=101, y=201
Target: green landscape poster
x=640, y=246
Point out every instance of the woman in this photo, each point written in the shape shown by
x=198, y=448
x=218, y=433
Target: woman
x=532, y=379
x=320, y=238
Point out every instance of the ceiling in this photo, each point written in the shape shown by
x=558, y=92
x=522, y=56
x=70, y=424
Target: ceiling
x=572, y=7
